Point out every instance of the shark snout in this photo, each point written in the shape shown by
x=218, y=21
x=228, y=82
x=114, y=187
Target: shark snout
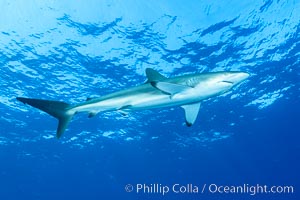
x=237, y=77
x=241, y=76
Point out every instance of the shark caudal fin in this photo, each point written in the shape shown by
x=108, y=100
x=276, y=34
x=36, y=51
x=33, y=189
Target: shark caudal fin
x=57, y=109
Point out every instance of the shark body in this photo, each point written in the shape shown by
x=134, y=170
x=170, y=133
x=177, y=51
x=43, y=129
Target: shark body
x=159, y=91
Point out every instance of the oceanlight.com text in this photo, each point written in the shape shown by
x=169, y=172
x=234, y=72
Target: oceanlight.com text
x=176, y=188
x=250, y=189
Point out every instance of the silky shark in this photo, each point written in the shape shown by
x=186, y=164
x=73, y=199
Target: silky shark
x=158, y=91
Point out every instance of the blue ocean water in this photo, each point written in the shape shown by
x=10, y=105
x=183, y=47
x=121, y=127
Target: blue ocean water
x=71, y=50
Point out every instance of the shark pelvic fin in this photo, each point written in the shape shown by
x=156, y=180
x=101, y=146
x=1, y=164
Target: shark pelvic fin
x=92, y=114
x=56, y=109
x=170, y=88
x=191, y=113
x=153, y=75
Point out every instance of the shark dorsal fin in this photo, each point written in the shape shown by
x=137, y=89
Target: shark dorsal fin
x=191, y=113
x=153, y=75
x=170, y=88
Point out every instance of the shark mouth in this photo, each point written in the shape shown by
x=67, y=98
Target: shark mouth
x=230, y=82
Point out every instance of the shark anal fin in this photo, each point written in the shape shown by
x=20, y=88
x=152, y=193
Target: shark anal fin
x=123, y=110
x=123, y=113
x=153, y=75
x=170, y=88
x=191, y=113
x=125, y=107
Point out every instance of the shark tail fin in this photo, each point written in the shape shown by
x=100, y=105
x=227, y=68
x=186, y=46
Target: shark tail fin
x=57, y=109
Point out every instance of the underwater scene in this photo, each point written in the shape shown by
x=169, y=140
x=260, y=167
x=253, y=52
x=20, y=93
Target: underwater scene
x=111, y=99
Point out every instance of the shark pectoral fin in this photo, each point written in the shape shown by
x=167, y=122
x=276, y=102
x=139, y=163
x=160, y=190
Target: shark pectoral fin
x=153, y=75
x=191, y=113
x=170, y=88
